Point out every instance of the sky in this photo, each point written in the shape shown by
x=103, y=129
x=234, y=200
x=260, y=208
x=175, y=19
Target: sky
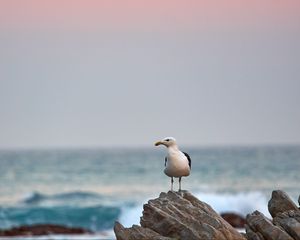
x=99, y=73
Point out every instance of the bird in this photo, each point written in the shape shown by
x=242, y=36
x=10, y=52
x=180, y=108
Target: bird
x=177, y=163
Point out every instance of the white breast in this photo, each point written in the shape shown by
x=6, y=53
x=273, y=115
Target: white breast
x=177, y=164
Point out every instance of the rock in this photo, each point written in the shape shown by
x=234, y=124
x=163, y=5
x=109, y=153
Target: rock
x=235, y=220
x=136, y=233
x=183, y=216
x=42, y=229
x=258, y=227
x=290, y=222
x=286, y=220
x=252, y=235
x=280, y=202
x=178, y=216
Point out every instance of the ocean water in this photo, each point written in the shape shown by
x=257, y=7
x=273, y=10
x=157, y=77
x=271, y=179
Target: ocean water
x=92, y=188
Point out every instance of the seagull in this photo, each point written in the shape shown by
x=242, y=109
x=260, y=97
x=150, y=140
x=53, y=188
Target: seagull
x=177, y=163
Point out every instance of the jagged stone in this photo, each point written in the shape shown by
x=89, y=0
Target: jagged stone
x=252, y=235
x=264, y=228
x=136, y=233
x=183, y=216
x=290, y=222
x=280, y=202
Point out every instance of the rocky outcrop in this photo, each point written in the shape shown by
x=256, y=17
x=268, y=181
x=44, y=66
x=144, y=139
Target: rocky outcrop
x=136, y=232
x=182, y=216
x=259, y=227
x=285, y=224
x=290, y=222
x=179, y=216
x=280, y=202
x=41, y=229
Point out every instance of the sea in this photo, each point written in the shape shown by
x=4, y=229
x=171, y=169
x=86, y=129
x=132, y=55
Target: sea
x=93, y=188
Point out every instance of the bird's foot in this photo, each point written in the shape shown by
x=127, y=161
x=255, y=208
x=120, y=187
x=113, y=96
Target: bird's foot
x=180, y=192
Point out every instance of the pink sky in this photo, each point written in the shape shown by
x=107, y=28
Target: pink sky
x=142, y=13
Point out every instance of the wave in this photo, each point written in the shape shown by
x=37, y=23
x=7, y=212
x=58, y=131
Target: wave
x=89, y=210
x=98, y=216
x=75, y=199
x=131, y=215
x=95, y=218
x=36, y=197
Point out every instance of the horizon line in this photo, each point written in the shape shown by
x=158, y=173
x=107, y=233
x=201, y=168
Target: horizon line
x=144, y=147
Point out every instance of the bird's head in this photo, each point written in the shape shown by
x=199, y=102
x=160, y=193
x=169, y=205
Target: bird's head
x=168, y=141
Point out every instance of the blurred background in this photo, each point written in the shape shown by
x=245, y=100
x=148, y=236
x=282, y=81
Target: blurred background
x=87, y=87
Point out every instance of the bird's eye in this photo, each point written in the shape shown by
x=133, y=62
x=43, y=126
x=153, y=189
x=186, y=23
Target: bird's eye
x=167, y=140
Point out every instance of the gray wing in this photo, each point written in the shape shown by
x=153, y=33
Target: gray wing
x=189, y=159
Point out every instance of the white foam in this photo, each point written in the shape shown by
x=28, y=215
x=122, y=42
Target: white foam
x=131, y=215
x=242, y=203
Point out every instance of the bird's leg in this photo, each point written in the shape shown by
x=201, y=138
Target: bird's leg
x=179, y=184
x=172, y=181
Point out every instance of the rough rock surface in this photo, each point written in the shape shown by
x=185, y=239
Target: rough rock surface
x=259, y=227
x=136, y=232
x=290, y=222
x=285, y=224
x=41, y=229
x=179, y=216
x=182, y=216
x=280, y=202
x=235, y=220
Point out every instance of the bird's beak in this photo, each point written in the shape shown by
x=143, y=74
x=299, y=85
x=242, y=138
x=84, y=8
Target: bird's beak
x=158, y=143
